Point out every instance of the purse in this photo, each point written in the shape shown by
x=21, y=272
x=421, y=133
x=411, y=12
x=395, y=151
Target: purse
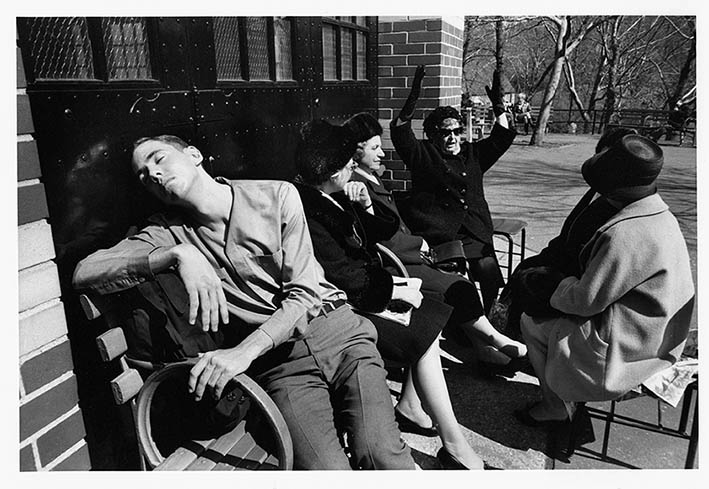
x=447, y=257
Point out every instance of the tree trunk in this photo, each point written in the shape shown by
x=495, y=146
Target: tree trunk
x=545, y=108
x=574, y=94
x=610, y=95
x=683, y=76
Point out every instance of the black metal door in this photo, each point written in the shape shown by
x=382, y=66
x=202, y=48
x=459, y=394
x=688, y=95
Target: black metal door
x=236, y=88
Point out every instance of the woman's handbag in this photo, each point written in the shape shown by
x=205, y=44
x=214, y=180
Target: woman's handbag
x=447, y=257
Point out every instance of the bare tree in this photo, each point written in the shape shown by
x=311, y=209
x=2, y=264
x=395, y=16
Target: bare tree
x=566, y=40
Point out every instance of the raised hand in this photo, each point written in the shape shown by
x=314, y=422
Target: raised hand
x=407, y=111
x=495, y=94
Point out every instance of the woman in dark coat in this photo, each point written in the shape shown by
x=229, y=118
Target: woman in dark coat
x=345, y=225
x=448, y=202
x=461, y=294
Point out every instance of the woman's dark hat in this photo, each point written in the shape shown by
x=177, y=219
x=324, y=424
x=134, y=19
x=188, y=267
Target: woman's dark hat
x=363, y=126
x=625, y=171
x=323, y=149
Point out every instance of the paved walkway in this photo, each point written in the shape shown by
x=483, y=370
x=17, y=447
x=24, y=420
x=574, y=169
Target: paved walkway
x=541, y=186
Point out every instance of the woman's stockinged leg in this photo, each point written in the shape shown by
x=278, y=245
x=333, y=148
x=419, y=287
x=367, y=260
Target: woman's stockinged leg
x=481, y=329
x=431, y=385
x=409, y=403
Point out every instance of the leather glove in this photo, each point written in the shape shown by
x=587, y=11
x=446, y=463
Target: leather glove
x=407, y=111
x=495, y=95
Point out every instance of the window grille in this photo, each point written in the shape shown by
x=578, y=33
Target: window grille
x=60, y=48
x=346, y=54
x=126, y=48
x=256, y=34
x=283, y=51
x=329, y=52
x=226, y=47
x=361, y=55
x=344, y=48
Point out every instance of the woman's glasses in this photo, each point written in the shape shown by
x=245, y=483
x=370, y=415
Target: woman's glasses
x=447, y=132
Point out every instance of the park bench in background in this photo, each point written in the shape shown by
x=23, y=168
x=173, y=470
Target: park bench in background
x=259, y=441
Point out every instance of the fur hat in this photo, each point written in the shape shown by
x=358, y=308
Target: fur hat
x=437, y=116
x=363, y=126
x=323, y=149
x=625, y=171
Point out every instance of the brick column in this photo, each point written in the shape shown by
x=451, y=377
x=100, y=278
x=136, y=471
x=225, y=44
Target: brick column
x=51, y=426
x=404, y=43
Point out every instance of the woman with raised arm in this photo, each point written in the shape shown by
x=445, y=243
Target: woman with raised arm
x=447, y=198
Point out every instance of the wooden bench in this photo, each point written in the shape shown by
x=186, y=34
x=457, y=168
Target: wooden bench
x=260, y=441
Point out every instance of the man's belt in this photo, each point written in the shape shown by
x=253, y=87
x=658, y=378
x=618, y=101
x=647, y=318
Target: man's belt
x=328, y=307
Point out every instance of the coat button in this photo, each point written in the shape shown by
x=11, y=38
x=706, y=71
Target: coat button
x=464, y=174
x=465, y=207
x=389, y=198
x=462, y=191
x=462, y=201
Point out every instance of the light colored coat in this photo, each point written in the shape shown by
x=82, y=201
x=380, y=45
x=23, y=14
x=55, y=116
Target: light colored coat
x=628, y=315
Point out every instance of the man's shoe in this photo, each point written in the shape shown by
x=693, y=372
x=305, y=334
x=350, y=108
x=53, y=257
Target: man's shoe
x=524, y=417
x=409, y=426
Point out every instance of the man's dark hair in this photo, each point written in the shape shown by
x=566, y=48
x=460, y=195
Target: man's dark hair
x=163, y=138
x=611, y=136
x=439, y=114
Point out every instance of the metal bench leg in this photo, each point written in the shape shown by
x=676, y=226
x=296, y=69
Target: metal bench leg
x=607, y=430
x=693, y=439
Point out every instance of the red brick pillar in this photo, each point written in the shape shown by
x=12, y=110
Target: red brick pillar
x=51, y=426
x=404, y=43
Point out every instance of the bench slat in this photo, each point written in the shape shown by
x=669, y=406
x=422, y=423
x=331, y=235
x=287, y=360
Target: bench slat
x=271, y=463
x=216, y=451
x=184, y=456
x=254, y=458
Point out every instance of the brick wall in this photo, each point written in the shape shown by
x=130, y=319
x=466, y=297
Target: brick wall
x=404, y=43
x=51, y=426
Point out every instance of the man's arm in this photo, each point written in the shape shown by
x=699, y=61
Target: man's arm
x=137, y=258
x=612, y=271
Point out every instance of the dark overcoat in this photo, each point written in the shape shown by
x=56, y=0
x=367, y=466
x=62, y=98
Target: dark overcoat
x=447, y=191
x=344, y=244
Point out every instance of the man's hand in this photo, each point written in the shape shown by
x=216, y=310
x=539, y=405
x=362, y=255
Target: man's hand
x=204, y=287
x=216, y=368
x=357, y=192
x=407, y=111
x=495, y=95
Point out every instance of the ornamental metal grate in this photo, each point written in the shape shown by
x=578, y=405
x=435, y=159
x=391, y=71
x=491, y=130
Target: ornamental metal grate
x=60, y=48
x=257, y=42
x=283, y=50
x=126, y=44
x=346, y=52
x=226, y=45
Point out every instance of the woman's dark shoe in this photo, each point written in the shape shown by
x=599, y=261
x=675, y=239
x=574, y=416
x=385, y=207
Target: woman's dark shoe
x=408, y=426
x=448, y=462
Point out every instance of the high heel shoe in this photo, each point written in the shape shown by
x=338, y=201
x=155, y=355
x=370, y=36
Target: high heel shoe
x=407, y=425
x=449, y=462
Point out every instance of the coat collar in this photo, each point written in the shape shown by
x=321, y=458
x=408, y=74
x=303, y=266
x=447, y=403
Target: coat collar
x=647, y=206
x=322, y=210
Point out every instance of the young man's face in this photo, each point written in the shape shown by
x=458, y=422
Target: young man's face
x=447, y=136
x=166, y=171
x=371, y=154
